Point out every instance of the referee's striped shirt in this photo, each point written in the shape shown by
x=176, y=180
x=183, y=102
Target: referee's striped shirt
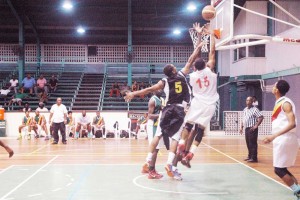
x=250, y=116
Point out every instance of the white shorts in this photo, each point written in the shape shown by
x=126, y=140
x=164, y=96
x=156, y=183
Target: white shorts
x=16, y=100
x=150, y=131
x=285, y=149
x=200, y=113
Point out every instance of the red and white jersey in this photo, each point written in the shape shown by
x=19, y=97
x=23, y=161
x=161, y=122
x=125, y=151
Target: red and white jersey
x=204, y=83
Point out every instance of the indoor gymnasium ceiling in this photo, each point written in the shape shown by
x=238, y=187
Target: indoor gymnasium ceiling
x=106, y=21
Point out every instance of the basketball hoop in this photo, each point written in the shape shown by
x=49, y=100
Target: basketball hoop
x=204, y=38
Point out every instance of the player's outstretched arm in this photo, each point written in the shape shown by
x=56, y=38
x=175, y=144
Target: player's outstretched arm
x=211, y=63
x=192, y=59
x=131, y=95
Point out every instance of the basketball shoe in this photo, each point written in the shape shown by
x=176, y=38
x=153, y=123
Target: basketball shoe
x=168, y=168
x=177, y=175
x=154, y=175
x=186, y=160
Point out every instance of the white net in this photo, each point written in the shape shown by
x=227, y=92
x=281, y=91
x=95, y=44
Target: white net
x=204, y=38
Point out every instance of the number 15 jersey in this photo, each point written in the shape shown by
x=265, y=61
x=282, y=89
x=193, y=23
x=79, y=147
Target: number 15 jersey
x=204, y=84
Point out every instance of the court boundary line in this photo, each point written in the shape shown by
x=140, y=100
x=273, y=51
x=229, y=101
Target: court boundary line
x=176, y=192
x=6, y=169
x=28, y=178
x=268, y=177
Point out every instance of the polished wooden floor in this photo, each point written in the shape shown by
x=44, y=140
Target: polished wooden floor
x=130, y=151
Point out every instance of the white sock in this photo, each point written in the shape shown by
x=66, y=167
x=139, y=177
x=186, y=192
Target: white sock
x=295, y=187
x=181, y=141
x=149, y=157
x=171, y=157
x=193, y=149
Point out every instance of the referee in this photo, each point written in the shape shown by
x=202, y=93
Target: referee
x=252, y=118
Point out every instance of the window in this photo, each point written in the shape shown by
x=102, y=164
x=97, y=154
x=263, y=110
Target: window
x=257, y=50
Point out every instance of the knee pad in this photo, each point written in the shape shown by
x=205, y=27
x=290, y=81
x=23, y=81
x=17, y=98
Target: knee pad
x=281, y=172
x=200, y=133
x=188, y=126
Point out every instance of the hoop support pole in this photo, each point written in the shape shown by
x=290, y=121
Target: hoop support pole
x=285, y=11
x=266, y=16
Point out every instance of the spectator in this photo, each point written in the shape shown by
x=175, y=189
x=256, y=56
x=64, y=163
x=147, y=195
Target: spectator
x=18, y=98
x=124, y=88
x=26, y=107
x=41, y=85
x=134, y=87
x=115, y=90
x=52, y=84
x=142, y=86
x=42, y=108
x=4, y=92
x=255, y=102
x=43, y=97
x=98, y=125
x=14, y=83
x=28, y=84
x=70, y=126
x=83, y=122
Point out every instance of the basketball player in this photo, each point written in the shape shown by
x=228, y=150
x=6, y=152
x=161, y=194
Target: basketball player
x=39, y=121
x=204, y=83
x=26, y=123
x=154, y=108
x=70, y=126
x=177, y=93
x=84, y=122
x=7, y=148
x=285, y=141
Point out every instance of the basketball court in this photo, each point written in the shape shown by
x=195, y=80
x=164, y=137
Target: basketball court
x=85, y=169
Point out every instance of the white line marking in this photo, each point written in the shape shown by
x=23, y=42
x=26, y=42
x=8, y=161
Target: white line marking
x=57, y=189
x=175, y=192
x=4, y=170
x=247, y=166
x=27, y=179
x=34, y=195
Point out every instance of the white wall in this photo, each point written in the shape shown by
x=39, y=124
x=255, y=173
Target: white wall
x=281, y=56
x=14, y=119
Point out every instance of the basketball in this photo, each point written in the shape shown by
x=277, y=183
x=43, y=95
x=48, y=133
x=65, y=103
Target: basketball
x=208, y=12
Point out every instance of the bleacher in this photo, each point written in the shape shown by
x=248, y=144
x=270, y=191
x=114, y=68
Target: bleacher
x=89, y=93
x=83, y=91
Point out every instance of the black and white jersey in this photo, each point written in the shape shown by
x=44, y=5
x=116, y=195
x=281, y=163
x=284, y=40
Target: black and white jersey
x=177, y=89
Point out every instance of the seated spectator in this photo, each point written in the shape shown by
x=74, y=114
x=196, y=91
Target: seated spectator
x=28, y=83
x=42, y=107
x=26, y=107
x=39, y=122
x=52, y=84
x=4, y=92
x=115, y=89
x=124, y=89
x=83, y=122
x=14, y=83
x=43, y=97
x=26, y=123
x=142, y=86
x=41, y=85
x=134, y=87
x=70, y=126
x=98, y=126
x=18, y=98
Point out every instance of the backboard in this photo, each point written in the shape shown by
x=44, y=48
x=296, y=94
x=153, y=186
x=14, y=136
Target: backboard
x=223, y=20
